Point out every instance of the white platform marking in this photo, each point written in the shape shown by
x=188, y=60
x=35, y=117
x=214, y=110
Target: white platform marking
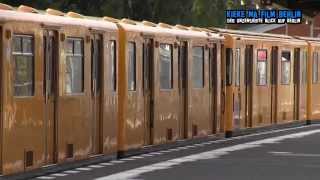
x=207, y=143
x=191, y=146
x=147, y=155
x=275, y=152
x=136, y=157
x=165, y=151
x=199, y=145
x=105, y=164
x=84, y=169
x=71, y=172
x=128, y=159
x=59, y=174
x=95, y=166
x=294, y=154
x=46, y=177
x=175, y=149
x=202, y=156
x=182, y=148
x=117, y=161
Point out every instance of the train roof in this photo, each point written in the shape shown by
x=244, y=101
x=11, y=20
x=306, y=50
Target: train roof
x=260, y=36
x=52, y=17
x=311, y=40
x=249, y=33
x=166, y=29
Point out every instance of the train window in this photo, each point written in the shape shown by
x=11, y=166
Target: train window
x=166, y=66
x=285, y=67
x=183, y=55
x=198, y=67
x=74, y=72
x=132, y=66
x=49, y=55
x=315, y=68
x=274, y=66
x=70, y=47
x=262, y=67
x=24, y=65
x=113, y=58
x=237, y=64
x=96, y=59
x=212, y=66
x=304, y=67
x=229, y=66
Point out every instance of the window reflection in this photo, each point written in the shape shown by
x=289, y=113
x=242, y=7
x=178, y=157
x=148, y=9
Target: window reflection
x=165, y=66
x=74, y=76
x=262, y=67
x=285, y=67
x=132, y=66
x=24, y=65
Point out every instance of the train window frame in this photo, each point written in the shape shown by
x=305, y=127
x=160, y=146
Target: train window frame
x=96, y=70
x=114, y=60
x=82, y=58
x=265, y=62
x=315, y=67
x=170, y=80
x=229, y=66
x=237, y=70
x=22, y=53
x=197, y=82
x=304, y=77
x=286, y=62
x=132, y=80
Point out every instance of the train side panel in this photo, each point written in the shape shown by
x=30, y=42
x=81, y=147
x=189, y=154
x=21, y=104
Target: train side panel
x=314, y=53
x=23, y=100
x=199, y=104
x=166, y=99
x=109, y=82
x=131, y=107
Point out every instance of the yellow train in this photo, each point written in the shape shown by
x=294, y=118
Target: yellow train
x=73, y=86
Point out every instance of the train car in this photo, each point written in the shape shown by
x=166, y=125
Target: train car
x=164, y=93
x=58, y=87
x=74, y=86
x=266, y=80
x=314, y=78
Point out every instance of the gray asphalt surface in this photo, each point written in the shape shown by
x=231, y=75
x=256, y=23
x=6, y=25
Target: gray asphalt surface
x=285, y=155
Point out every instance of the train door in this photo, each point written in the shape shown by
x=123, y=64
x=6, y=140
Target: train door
x=50, y=90
x=237, y=91
x=274, y=86
x=148, y=89
x=248, y=85
x=300, y=84
x=213, y=88
x=96, y=95
x=303, y=85
x=296, y=82
x=183, y=89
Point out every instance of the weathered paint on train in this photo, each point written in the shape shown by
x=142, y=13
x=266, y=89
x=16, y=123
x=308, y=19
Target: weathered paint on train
x=250, y=104
x=123, y=104
x=57, y=127
x=152, y=116
x=313, y=82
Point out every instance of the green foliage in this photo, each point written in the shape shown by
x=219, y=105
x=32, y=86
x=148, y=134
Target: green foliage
x=188, y=12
